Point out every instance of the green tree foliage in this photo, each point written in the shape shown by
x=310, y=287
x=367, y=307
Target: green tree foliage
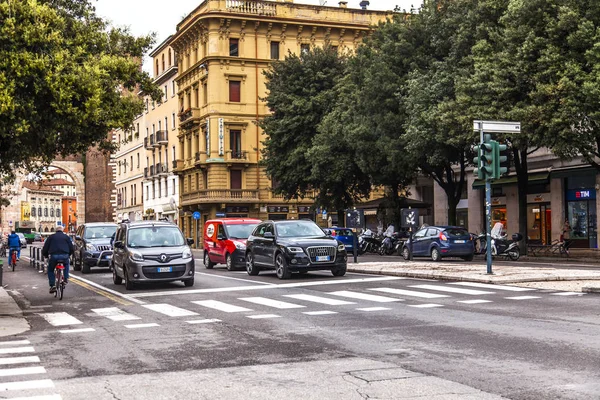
x=301, y=93
x=66, y=80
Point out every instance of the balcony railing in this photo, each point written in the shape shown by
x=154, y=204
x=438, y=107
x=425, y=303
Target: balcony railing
x=236, y=156
x=251, y=7
x=189, y=116
x=220, y=195
x=162, y=137
x=148, y=142
x=146, y=172
x=151, y=170
x=174, y=164
x=162, y=169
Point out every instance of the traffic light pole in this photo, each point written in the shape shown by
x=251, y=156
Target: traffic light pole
x=488, y=212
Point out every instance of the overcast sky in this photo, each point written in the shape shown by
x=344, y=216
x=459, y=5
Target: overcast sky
x=147, y=16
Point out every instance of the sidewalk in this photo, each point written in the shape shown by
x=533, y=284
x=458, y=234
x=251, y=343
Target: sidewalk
x=12, y=321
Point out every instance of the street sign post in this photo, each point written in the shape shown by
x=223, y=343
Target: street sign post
x=410, y=220
x=485, y=128
x=196, y=216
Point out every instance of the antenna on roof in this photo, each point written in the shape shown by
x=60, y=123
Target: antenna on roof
x=322, y=2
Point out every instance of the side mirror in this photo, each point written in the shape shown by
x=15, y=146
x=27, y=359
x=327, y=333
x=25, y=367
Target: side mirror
x=190, y=241
x=118, y=244
x=221, y=237
x=269, y=235
x=77, y=237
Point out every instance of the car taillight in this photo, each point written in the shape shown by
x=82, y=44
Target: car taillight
x=443, y=237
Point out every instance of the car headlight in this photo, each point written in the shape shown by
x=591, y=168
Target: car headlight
x=341, y=247
x=187, y=253
x=295, y=249
x=90, y=247
x=135, y=256
x=240, y=246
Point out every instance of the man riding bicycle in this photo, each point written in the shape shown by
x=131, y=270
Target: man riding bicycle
x=58, y=247
x=14, y=244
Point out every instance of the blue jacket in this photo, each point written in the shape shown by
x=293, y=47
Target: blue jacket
x=58, y=243
x=14, y=240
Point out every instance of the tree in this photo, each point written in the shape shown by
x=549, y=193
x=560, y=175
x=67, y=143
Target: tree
x=66, y=80
x=301, y=93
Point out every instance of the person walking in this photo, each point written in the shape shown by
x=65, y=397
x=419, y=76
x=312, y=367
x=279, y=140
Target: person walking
x=58, y=247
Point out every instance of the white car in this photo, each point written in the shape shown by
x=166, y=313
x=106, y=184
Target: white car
x=23, y=240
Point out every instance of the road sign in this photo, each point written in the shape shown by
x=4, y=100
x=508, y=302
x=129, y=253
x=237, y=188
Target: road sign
x=410, y=218
x=220, y=215
x=196, y=215
x=497, y=126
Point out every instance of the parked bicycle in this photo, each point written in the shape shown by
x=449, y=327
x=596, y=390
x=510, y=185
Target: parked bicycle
x=59, y=273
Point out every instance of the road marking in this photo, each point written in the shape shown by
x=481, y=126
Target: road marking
x=474, y=301
x=114, y=313
x=235, y=279
x=219, y=305
x=19, y=360
x=22, y=371
x=374, y=309
x=136, y=326
x=271, y=303
x=108, y=292
x=317, y=299
x=426, y=305
x=452, y=289
x=24, y=385
x=263, y=316
x=523, y=298
x=568, y=294
x=411, y=293
x=170, y=310
x=15, y=342
x=492, y=286
x=324, y=312
x=14, y=350
x=77, y=330
x=60, y=319
x=203, y=321
x=264, y=287
x=43, y=397
x=364, y=296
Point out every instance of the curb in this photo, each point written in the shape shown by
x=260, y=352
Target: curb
x=587, y=289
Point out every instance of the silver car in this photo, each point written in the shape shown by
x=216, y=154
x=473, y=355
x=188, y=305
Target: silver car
x=151, y=251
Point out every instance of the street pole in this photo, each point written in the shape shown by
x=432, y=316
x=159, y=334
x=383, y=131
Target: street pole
x=488, y=212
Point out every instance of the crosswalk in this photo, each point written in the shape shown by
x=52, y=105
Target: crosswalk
x=322, y=304
x=20, y=374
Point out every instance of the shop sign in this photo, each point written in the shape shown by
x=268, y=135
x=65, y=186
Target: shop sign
x=278, y=209
x=495, y=201
x=304, y=209
x=583, y=194
x=237, y=209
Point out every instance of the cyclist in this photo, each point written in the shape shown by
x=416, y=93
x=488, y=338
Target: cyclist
x=14, y=244
x=58, y=247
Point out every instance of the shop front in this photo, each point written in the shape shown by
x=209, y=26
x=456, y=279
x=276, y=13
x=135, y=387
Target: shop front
x=539, y=218
x=277, y=213
x=499, y=211
x=581, y=214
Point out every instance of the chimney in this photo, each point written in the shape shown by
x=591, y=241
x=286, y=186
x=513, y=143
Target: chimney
x=343, y=4
x=363, y=4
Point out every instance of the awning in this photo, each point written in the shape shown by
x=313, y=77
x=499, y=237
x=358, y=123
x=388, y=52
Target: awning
x=537, y=177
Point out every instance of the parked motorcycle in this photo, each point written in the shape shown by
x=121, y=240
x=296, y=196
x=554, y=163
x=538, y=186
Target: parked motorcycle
x=502, y=246
x=368, y=243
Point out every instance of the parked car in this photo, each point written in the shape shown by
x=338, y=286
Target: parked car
x=152, y=251
x=37, y=238
x=22, y=239
x=440, y=241
x=92, y=246
x=293, y=246
x=225, y=241
x=344, y=235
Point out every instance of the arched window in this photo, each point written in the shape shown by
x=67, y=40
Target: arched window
x=45, y=211
x=46, y=230
x=156, y=72
x=39, y=211
x=163, y=62
x=58, y=212
x=170, y=62
x=52, y=212
x=33, y=212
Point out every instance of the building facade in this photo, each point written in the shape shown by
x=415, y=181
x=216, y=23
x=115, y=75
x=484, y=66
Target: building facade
x=41, y=208
x=161, y=184
x=129, y=161
x=222, y=49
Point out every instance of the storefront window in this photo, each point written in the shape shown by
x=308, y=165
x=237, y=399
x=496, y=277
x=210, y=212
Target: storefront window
x=499, y=215
x=577, y=212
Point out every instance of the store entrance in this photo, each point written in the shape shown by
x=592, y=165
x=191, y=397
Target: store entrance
x=582, y=218
x=539, y=223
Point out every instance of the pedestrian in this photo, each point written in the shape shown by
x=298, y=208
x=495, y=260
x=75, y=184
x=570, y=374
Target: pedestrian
x=566, y=233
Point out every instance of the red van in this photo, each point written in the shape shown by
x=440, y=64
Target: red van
x=225, y=241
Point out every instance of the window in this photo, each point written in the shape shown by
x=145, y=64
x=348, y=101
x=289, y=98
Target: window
x=234, y=47
x=163, y=62
x=172, y=88
x=173, y=119
x=166, y=125
x=166, y=93
x=274, y=50
x=137, y=132
x=170, y=60
x=58, y=212
x=146, y=105
x=156, y=69
x=304, y=48
x=234, y=91
x=148, y=192
x=204, y=93
x=33, y=212
x=39, y=211
x=45, y=211
x=138, y=160
x=131, y=164
x=235, y=143
x=196, y=97
x=159, y=189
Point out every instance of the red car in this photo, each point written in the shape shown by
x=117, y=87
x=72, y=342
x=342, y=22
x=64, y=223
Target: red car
x=225, y=241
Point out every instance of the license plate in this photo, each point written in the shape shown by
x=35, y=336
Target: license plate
x=460, y=241
x=165, y=269
x=322, y=258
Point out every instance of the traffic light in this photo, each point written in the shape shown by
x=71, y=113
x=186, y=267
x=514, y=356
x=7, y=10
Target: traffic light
x=477, y=160
x=500, y=159
x=487, y=157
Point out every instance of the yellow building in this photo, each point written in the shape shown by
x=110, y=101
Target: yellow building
x=222, y=48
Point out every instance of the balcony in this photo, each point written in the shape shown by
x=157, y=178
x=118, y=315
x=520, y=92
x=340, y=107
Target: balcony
x=220, y=196
x=174, y=164
x=162, y=138
x=251, y=7
x=146, y=172
x=151, y=171
x=162, y=169
x=149, y=142
x=200, y=158
x=189, y=117
x=236, y=157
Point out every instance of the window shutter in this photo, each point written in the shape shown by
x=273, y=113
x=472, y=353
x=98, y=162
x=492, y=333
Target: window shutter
x=234, y=91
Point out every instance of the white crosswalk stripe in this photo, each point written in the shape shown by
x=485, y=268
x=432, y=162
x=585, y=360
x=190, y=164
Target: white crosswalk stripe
x=115, y=314
x=77, y=330
x=426, y=305
x=15, y=343
x=263, y=316
x=43, y=397
x=219, y=305
x=474, y=301
x=492, y=286
x=19, y=360
x=271, y=303
x=203, y=321
x=15, y=350
x=169, y=310
x=22, y=371
x=523, y=298
x=318, y=299
x=568, y=294
x=60, y=319
x=25, y=385
x=137, y=326
x=374, y=309
x=412, y=293
x=470, y=292
x=364, y=296
x=324, y=312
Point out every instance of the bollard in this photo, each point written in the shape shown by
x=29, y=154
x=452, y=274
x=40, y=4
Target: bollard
x=1, y=270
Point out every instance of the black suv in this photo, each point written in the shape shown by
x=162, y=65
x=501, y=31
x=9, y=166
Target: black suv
x=92, y=246
x=293, y=246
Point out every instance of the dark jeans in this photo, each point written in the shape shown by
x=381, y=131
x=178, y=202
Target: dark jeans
x=54, y=259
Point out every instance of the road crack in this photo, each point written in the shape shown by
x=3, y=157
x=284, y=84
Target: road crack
x=110, y=391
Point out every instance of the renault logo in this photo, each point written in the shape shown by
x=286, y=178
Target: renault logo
x=163, y=257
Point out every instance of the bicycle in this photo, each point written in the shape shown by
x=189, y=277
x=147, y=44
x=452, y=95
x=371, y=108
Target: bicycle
x=12, y=261
x=59, y=280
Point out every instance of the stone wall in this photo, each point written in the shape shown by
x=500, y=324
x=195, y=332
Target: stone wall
x=99, y=187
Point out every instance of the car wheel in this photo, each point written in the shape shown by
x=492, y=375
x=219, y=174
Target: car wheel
x=406, y=253
x=189, y=282
x=250, y=267
x=229, y=262
x=281, y=267
x=117, y=280
x=76, y=265
x=339, y=271
x=128, y=284
x=207, y=263
x=435, y=254
x=468, y=258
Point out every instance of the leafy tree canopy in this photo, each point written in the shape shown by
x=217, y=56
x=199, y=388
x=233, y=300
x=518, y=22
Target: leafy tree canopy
x=66, y=80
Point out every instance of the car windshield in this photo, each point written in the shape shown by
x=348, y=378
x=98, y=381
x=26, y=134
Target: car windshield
x=155, y=236
x=239, y=231
x=457, y=232
x=298, y=229
x=99, y=232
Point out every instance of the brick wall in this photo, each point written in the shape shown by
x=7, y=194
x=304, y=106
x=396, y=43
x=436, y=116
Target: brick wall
x=99, y=187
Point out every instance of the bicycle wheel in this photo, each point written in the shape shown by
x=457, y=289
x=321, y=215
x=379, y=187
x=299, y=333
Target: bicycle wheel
x=61, y=289
x=58, y=281
x=13, y=260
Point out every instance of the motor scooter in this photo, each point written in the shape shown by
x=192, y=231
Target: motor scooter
x=502, y=246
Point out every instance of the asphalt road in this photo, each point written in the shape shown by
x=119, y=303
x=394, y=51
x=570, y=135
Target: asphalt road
x=315, y=336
